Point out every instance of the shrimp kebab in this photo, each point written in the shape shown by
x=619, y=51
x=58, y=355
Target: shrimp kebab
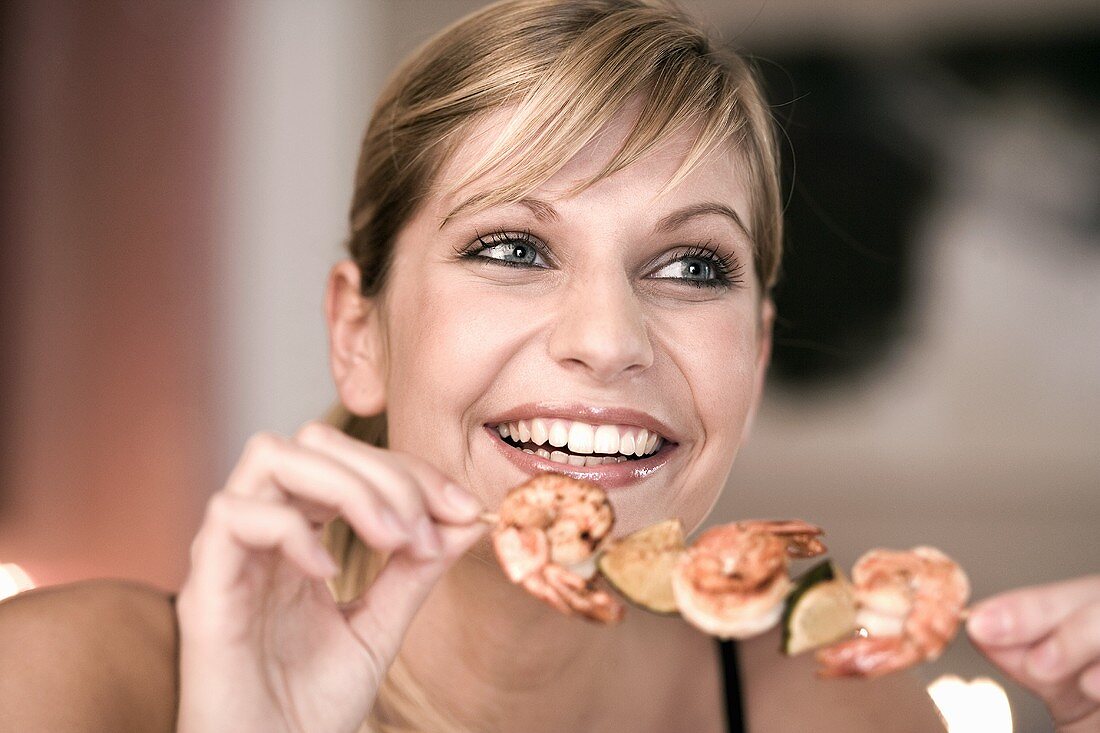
x=910, y=604
x=551, y=536
x=732, y=582
x=546, y=536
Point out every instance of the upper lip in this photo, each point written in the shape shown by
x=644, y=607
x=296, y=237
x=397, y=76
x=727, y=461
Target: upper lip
x=592, y=414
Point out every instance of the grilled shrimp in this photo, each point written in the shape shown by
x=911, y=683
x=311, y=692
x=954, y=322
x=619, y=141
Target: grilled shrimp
x=733, y=579
x=909, y=605
x=546, y=536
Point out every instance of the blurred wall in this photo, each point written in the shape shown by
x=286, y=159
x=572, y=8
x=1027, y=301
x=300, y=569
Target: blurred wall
x=302, y=79
x=111, y=143
x=176, y=180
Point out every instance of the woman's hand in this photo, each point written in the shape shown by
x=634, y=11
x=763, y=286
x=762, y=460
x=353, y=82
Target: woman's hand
x=1047, y=638
x=263, y=646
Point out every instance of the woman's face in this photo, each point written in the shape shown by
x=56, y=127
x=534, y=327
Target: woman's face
x=597, y=319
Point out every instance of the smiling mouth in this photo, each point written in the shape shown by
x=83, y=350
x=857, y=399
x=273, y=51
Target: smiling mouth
x=579, y=444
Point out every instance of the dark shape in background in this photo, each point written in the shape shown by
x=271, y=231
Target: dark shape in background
x=859, y=174
x=855, y=185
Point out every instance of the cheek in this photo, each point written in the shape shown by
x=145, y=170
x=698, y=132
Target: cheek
x=729, y=371
x=445, y=346
x=717, y=355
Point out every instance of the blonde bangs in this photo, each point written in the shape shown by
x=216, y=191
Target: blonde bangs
x=563, y=70
x=651, y=56
x=606, y=67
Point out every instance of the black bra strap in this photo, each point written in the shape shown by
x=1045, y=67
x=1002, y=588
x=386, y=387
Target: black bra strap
x=732, y=678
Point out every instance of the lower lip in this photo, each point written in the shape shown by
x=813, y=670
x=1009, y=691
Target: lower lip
x=608, y=475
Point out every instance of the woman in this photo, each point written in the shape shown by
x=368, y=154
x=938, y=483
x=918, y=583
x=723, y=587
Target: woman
x=564, y=211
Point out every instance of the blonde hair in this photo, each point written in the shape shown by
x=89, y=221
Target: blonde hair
x=563, y=69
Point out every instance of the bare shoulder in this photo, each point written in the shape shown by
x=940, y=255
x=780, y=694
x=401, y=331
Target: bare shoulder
x=96, y=655
x=784, y=693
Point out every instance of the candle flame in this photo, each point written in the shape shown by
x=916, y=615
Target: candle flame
x=978, y=706
x=13, y=579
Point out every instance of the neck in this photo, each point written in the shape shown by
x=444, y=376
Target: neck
x=514, y=663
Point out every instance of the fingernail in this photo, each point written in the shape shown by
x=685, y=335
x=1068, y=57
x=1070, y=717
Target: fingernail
x=1043, y=662
x=461, y=500
x=427, y=538
x=990, y=624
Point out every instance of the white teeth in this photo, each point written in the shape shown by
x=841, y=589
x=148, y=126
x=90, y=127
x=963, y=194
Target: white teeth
x=594, y=461
x=559, y=457
x=529, y=451
x=559, y=433
x=576, y=460
x=542, y=452
x=580, y=438
x=539, y=432
x=606, y=439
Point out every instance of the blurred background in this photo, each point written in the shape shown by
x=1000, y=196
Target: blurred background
x=174, y=181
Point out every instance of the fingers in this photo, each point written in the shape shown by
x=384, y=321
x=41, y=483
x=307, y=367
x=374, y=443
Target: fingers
x=1047, y=638
x=329, y=473
x=382, y=615
x=1074, y=644
x=248, y=525
x=412, y=485
x=275, y=468
x=283, y=489
x=1027, y=615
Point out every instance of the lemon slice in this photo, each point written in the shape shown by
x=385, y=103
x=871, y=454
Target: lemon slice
x=639, y=566
x=820, y=610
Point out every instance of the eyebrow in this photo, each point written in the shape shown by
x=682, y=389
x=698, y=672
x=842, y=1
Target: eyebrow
x=681, y=216
x=544, y=211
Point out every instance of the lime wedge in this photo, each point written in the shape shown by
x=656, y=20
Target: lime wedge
x=639, y=566
x=820, y=610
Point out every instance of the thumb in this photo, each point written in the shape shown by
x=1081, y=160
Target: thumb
x=382, y=616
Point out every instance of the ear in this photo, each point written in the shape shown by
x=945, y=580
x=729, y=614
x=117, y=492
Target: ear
x=356, y=342
x=763, y=359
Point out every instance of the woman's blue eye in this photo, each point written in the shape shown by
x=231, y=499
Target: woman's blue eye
x=703, y=267
x=509, y=252
x=688, y=269
x=696, y=270
x=516, y=250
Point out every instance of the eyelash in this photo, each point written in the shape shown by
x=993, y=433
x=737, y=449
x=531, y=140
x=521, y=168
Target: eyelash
x=484, y=242
x=727, y=270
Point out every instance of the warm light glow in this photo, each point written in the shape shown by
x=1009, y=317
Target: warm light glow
x=978, y=706
x=13, y=579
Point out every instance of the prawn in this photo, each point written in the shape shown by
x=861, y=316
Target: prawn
x=733, y=579
x=909, y=606
x=546, y=536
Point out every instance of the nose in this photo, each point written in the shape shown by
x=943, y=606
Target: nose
x=600, y=329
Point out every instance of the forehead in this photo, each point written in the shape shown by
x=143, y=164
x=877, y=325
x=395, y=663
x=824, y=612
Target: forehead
x=719, y=176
